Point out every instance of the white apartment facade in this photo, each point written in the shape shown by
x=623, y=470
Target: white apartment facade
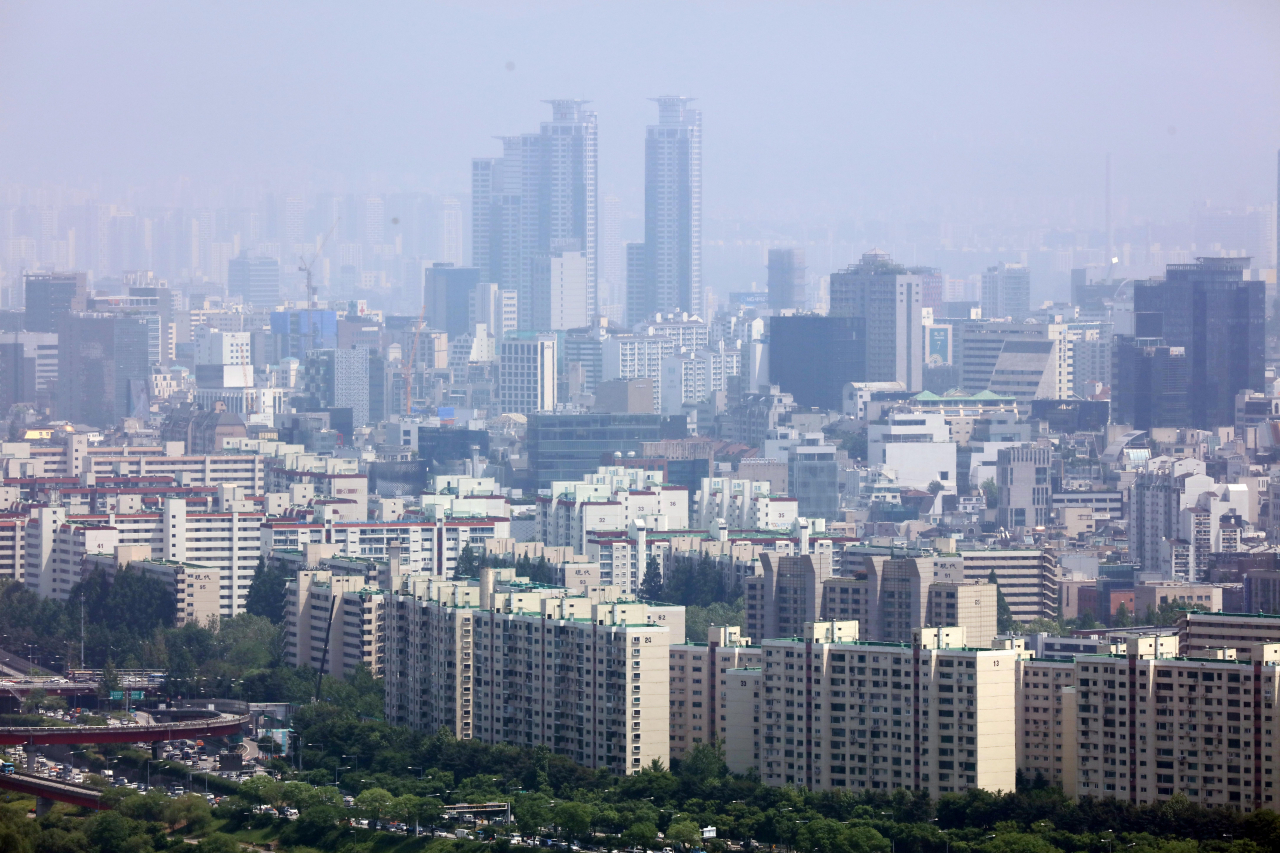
x=586, y=679
x=840, y=714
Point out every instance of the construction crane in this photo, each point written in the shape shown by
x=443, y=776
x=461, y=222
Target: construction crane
x=305, y=266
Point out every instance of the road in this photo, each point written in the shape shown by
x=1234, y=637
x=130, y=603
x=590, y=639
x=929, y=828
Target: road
x=223, y=724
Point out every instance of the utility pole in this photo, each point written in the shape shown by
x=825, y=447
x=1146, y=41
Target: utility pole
x=82, y=629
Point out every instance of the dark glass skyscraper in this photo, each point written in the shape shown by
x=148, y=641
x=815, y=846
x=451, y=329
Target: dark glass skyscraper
x=812, y=357
x=786, y=278
x=104, y=368
x=52, y=295
x=1208, y=309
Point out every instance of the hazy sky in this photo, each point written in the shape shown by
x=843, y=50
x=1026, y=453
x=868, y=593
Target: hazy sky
x=811, y=111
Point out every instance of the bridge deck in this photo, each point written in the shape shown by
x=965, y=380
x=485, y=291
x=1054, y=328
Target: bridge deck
x=221, y=725
x=52, y=789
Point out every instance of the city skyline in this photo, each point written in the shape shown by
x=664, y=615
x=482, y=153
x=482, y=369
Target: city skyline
x=1068, y=113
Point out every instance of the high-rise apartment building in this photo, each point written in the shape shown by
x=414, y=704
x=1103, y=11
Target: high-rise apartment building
x=1219, y=319
x=51, y=296
x=887, y=298
x=672, y=210
x=837, y=713
x=1006, y=292
x=334, y=624
x=256, y=280
x=452, y=646
x=786, y=279
x=786, y=595
x=539, y=197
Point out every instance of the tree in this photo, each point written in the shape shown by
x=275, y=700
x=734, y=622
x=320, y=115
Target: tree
x=1121, y=619
x=266, y=596
x=991, y=493
x=935, y=487
x=467, y=566
x=531, y=814
x=684, y=832
x=218, y=842
x=651, y=586
x=374, y=802
x=190, y=810
x=1005, y=623
x=574, y=819
x=261, y=789
x=1041, y=625
x=641, y=834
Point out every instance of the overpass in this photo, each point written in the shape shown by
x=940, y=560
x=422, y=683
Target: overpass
x=46, y=791
x=209, y=725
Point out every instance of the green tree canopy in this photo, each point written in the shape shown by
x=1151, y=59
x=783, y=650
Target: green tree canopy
x=266, y=596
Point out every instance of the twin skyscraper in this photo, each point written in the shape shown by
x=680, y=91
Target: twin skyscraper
x=536, y=226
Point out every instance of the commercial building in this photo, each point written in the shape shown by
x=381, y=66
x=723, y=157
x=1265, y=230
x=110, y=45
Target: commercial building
x=812, y=357
x=1150, y=384
x=887, y=298
x=256, y=280
x=1023, y=486
x=104, y=368
x=51, y=296
x=786, y=279
x=813, y=476
x=568, y=447
x=449, y=295
x=1218, y=318
x=918, y=448
x=1027, y=578
x=527, y=375
x=28, y=369
x=1006, y=292
x=560, y=290
x=1201, y=634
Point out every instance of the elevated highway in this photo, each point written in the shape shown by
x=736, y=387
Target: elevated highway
x=220, y=725
x=46, y=791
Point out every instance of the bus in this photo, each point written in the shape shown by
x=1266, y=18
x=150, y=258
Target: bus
x=7, y=768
